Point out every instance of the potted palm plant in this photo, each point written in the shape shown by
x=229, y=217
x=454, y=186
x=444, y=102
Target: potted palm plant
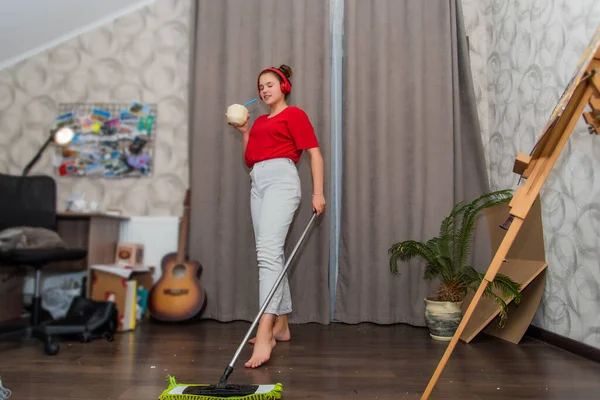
x=447, y=258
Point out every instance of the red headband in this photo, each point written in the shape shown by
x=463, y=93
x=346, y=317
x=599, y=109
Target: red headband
x=286, y=85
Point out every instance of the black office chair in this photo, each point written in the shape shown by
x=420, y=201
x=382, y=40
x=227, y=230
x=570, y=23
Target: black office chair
x=31, y=201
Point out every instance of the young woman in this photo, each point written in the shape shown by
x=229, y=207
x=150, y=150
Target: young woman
x=271, y=148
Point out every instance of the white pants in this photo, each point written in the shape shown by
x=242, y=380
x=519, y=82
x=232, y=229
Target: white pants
x=274, y=199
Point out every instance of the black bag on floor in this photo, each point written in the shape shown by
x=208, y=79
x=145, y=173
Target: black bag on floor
x=87, y=319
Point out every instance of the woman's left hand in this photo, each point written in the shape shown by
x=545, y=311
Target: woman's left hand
x=318, y=202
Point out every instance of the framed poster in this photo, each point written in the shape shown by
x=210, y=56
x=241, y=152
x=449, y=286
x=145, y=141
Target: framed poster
x=110, y=141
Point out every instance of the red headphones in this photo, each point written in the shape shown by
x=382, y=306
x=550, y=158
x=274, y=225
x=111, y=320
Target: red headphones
x=285, y=86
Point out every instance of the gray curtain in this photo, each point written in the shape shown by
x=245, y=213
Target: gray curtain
x=233, y=41
x=469, y=159
x=411, y=149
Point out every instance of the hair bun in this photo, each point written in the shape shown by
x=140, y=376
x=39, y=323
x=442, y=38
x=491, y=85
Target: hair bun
x=286, y=69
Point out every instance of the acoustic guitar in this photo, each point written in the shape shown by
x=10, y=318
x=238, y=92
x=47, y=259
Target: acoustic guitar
x=178, y=295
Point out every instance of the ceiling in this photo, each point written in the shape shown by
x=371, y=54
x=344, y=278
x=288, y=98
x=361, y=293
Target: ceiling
x=28, y=27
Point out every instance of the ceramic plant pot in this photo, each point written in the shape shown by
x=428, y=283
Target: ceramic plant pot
x=442, y=318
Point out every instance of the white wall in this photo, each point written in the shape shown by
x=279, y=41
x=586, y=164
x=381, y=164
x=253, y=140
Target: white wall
x=159, y=235
x=28, y=27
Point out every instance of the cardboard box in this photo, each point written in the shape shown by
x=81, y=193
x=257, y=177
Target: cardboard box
x=129, y=254
x=11, y=293
x=126, y=286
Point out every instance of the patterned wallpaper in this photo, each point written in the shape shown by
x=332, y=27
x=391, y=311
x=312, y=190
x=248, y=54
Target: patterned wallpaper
x=530, y=52
x=142, y=56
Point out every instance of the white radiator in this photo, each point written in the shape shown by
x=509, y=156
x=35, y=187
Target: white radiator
x=159, y=235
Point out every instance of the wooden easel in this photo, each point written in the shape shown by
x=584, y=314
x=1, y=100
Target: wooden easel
x=583, y=89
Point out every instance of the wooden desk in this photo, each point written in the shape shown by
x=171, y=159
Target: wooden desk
x=96, y=232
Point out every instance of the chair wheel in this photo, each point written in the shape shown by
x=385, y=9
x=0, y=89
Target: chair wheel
x=51, y=347
x=108, y=336
x=85, y=337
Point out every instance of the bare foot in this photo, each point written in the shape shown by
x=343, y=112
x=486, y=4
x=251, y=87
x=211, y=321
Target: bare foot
x=281, y=330
x=282, y=336
x=261, y=353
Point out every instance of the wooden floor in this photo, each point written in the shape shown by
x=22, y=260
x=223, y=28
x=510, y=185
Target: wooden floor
x=321, y=362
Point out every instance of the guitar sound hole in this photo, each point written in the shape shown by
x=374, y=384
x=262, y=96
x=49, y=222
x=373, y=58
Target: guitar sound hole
x=179, y=271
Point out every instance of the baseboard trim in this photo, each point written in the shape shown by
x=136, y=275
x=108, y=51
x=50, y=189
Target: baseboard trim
x=565, y=343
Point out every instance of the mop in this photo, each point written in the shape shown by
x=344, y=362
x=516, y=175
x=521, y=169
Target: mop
x=4, y=393
x=224, y=390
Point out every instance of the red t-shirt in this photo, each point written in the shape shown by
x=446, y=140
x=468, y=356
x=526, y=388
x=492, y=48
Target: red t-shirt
x=285, y=135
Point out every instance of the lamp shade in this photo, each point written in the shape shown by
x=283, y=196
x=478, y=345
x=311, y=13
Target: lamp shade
x=63, y=136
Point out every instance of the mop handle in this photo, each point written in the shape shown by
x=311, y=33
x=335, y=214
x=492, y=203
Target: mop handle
x=271, y=293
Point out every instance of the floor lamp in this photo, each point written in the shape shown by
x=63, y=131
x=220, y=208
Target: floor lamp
x=60, y=136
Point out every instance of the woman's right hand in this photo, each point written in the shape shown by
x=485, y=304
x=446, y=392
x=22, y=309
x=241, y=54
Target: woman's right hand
x=243, y=128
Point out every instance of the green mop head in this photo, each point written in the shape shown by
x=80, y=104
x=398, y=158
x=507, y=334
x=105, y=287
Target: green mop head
x=198, y=391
